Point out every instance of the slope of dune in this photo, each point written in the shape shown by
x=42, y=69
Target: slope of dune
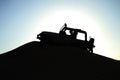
x=35, y=61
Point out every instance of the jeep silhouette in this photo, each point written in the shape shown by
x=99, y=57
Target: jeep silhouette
x=62, y=38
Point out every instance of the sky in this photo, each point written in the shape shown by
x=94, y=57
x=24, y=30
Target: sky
x=22, y=20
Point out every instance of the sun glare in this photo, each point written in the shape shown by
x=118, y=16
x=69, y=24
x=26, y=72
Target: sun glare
x=76, y=19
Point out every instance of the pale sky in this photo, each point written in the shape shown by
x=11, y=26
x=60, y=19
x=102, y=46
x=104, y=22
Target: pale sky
x=22, y=20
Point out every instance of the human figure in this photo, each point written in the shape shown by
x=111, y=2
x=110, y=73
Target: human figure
x=91, y=45
x=73, y=34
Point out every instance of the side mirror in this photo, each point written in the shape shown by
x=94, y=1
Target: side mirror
x=38, y=36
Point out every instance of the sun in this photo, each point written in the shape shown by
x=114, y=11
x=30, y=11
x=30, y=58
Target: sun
x=53, y=21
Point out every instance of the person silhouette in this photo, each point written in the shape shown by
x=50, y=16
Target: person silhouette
x=73, y=34
x=91, y=45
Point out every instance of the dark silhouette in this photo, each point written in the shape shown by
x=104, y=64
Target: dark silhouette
x=33, y=61
x=73, y=34
x=91, y=46
x=63, y=29
x=63, y=39
x=55, y=58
